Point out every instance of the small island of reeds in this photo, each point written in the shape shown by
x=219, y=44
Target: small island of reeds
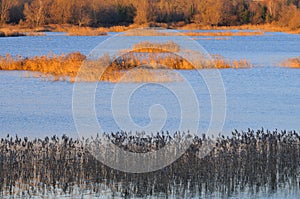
x=292, y=63
x=149, y=61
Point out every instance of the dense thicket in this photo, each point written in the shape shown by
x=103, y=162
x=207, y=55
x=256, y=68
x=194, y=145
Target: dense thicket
x=124, y=12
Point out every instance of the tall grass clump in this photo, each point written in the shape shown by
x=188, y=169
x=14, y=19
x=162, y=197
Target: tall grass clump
x=147, y=46
x=50, y=65
x=292, y=63
x=85, y=31
x=255, y=162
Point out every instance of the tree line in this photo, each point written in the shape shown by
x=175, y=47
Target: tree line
x=97, y=13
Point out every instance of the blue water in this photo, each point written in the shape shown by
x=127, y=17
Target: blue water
x=267, y=96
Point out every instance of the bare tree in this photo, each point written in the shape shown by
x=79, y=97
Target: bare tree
x=5, y=6
x=36, y=12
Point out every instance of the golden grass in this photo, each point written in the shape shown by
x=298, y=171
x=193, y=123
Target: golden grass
x=154, y=32
x=148, y=46
x=52, y=65
x=10, y=33
x=142, y=66
x=14, y=31
x=17, y=30
x=261, y=27
x=292, y=63
x=85, y=31
x=225, y=33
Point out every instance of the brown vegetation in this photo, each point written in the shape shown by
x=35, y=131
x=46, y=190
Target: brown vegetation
x=53, y=65
x=85, y=31
x=292, y=63
x=145, y=64
x=224, y=33
x=17, y=31
x=150, y=47
x=252, y=163
x=156, y=32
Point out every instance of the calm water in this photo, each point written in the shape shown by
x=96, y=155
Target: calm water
x=260, y=97
x=267, y=96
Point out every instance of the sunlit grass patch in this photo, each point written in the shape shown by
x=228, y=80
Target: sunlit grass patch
x=162, y=32
x=85, y=31
x=292, y=63
x=146, y=62
x=148, y=46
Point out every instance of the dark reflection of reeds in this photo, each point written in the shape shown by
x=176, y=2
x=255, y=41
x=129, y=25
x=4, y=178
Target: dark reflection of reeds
x=254, y=162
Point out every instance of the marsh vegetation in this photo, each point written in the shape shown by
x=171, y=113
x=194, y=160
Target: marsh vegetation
x=150, y=62
x=252, y=161
x=292, y=63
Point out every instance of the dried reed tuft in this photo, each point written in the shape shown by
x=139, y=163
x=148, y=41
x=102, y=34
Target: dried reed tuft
x=292, y=63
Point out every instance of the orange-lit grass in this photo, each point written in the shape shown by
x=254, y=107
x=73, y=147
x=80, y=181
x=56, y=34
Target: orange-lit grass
x=150, y=47
x=16, y=31
x=292, y=63
x=144, y=66
x=10, y=33
x=224, y=34
x=157, y=32
x=63, y=65
x=85, y=31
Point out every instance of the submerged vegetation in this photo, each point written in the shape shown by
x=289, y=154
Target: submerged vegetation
x=254, y=162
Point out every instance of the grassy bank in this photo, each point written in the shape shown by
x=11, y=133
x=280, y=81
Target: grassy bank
x=226, y=33
x=17, y=31
x=252, y=162
x=21, y=30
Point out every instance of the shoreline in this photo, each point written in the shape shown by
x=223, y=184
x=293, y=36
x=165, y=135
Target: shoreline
x=71, y=30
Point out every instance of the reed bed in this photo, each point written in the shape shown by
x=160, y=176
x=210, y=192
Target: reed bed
x=150, y=62
x=12, y=31
x=251, y=161
x=52, y=65
x=292, y=63
x=224, y=33
x=9, y=33
x=154, y=32
x=147, y=46
x=85, y=31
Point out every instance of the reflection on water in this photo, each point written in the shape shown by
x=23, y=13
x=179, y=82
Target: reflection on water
x=248, y=164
